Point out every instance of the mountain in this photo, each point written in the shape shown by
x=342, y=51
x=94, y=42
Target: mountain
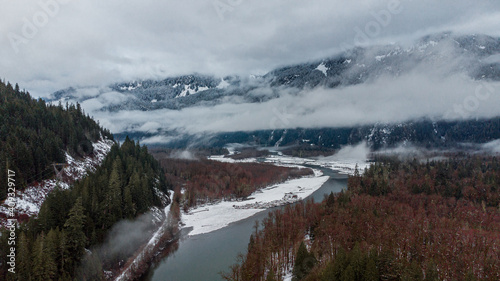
x=476, y=56
x=422, y=133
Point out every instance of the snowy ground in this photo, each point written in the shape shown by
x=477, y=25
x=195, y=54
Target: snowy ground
x=343, y=166
x=213, y=217
x=29, y=201
x=209, y=218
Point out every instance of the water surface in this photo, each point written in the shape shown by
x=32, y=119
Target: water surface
x=203, y=257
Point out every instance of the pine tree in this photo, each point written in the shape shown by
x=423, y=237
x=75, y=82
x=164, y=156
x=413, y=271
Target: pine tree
x=371, y=272
x=91, y=268
x=304, y=262
x=24, y=258
x=113, y=200
x=74, y=229
x=431, y=273
x=341, y=262
x=129, y=209
x=348, y=274
x=44, y=266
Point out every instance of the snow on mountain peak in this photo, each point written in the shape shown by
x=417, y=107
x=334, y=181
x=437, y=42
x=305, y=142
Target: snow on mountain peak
x=322, y=67
x=223, y=84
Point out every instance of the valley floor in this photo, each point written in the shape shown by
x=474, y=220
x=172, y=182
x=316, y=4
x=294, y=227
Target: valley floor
x=209, y=218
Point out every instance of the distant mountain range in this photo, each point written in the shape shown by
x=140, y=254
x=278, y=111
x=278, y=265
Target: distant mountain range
x=476, y=55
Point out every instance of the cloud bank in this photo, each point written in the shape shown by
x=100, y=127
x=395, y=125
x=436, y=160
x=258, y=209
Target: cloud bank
x=387, y=99
x=48, y=45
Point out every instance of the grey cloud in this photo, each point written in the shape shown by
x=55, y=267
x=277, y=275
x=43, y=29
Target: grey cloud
x=387, y=99
x=98, y=42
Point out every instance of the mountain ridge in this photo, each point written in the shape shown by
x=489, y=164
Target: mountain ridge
x=354, y=66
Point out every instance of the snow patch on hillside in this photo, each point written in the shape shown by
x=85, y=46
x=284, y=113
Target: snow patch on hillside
x=29, y=201
x=223, y=84
x=188, y=91
x=131, y=87
x=322, y=67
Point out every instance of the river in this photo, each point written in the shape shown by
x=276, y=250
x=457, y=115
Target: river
x=203, y=257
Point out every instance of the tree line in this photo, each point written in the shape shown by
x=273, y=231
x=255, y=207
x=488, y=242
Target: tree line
x=206, y=181
x=397, y=221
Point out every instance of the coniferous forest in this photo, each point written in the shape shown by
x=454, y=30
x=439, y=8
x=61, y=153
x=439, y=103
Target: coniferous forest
x=34, y=135
x=397, y=221
x=53, y=245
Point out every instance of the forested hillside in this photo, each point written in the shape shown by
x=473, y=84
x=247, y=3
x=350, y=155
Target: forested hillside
x=34, y=135
x=54, y=245
x=398, y=221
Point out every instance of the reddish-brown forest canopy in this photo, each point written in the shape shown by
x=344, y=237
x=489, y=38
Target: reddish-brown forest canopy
x=399, y=221
x=206, y=181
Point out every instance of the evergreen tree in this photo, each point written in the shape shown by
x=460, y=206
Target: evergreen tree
x=44, y=266
x=24, y=258
x=91, y=268
x=75, y=236
x=113, y=200
x=371, y=272
x=129, y=209
x=304, y=262
x=431, y=273
x=348, y=274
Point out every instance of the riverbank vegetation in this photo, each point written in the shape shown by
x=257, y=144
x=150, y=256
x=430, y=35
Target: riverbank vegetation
x=206, y=181
x=397, y=221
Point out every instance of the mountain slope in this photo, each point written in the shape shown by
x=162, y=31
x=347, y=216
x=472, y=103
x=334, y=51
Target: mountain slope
x=34, y=135
x=339, y=100
x=477, y=55
x=99, y=184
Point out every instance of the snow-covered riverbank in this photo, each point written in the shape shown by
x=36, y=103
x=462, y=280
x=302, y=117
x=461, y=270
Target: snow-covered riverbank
x=209, y=218
x=344, y=166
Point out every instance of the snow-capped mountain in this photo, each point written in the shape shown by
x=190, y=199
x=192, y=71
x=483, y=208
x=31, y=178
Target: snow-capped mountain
x=474, y=57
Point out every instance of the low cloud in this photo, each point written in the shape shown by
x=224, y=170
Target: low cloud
x=491, y=147
x=126, y=236
x=387, y=99
x=183, y=154
x=356, y=153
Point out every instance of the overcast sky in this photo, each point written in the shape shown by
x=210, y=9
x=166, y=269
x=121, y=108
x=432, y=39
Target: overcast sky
x=48, y=45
